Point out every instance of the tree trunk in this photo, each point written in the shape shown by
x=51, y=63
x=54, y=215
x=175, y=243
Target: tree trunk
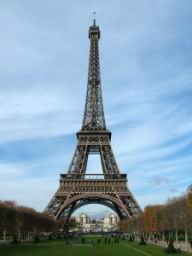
x=163, y=237
x=4, y=235
x=186, y=237
x=176, y=236
x=171, y=248
x=19, y=234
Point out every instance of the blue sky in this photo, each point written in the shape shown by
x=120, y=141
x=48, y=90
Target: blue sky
x=146, y=69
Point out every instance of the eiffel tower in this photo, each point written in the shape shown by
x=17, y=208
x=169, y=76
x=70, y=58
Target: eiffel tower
x=78, y=188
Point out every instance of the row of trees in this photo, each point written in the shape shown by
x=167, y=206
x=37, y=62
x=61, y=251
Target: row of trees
x=19, y=221
x=164, y=221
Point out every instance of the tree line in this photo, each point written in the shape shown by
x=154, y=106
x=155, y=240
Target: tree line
x=172, y=220
x=19, y=221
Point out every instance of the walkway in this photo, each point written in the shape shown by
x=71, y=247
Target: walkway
x=186, y=247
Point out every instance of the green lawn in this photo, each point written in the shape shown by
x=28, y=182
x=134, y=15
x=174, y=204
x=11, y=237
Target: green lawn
x=58, y=248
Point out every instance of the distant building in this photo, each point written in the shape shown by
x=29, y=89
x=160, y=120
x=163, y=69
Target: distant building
x=108, y=224
x=84, y=222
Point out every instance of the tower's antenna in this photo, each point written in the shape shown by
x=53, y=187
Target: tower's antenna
x=94, y=21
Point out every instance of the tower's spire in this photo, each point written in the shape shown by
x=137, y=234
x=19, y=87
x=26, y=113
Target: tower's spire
x=94, y=20
x=94, y=114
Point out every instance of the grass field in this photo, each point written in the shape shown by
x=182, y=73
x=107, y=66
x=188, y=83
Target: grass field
x=58, y=248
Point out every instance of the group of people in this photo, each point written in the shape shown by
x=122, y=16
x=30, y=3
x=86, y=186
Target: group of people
x=108, y=240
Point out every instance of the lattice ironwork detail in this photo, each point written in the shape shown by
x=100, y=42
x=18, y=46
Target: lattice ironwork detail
x=76, y=188
x=94, y=114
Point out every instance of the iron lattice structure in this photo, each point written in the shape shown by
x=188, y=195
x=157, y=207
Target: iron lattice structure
x=76, y=187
